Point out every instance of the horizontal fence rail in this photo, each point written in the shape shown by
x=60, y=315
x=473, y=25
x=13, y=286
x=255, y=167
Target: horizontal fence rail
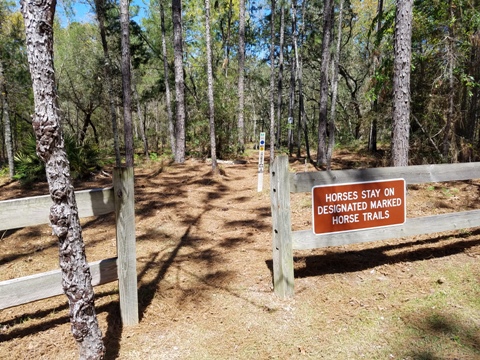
x=31, y=211
x=285, y=240
x=35, y=210
x=26, y=289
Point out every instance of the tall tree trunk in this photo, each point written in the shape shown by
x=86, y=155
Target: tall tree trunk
x=447, y=138
x=229, y=29
x=64, y=219
x=100, y=11
x=280, y=74
x=291, y=105
x=322, y=123
x=474, y=107
x=126, y=82
x=6, y=123
x=372, y=138
x=336, y=59
x=302, y=125
x=272, y=82
x=401, y=82
x=241, y=78
x=296, y=76
x=211, y=101
x=141, y=119
x=168, y=99
x=179, y=82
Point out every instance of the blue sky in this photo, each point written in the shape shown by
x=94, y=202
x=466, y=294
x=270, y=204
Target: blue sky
x=82, y=11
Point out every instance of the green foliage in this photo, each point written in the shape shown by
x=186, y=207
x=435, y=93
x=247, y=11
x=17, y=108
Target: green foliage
x=84, y=159
x=28, y=166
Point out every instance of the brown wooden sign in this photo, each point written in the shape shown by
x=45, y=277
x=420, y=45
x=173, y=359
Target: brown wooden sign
x=358, y=206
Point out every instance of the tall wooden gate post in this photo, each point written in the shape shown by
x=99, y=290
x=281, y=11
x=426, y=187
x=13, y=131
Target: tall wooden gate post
x=125, y=226
x=282, y=228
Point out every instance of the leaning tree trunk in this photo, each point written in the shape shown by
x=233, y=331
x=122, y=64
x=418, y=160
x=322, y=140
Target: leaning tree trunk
x=401, y=82
x=64, y=219
x=6, y=122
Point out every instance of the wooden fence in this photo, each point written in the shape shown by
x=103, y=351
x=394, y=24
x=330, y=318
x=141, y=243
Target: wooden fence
x=282, y=182
x=32, y=211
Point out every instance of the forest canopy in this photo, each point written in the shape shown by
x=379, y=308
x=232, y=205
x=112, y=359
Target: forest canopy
x=286, y=52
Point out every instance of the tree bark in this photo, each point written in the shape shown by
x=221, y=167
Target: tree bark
x=168, y=97
x=322, y=123
x=241, y=78
x=302, y=120
x=227, y=40
x=280, y=75
x=272, y=82
x=64, y=219
x=126, y=82
x=100, y=10
x=447, y=137
x=6, y=123
x=291, y=105
x=179, y=82
x=336, y=60
x=372, y=138
x=401, y=82
x=141, y=118
x=211, y=102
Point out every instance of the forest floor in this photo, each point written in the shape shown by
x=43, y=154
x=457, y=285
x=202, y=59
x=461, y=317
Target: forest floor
x=205, y=280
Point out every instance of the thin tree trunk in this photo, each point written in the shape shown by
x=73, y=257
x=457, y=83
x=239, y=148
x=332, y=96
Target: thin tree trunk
x=141, y=119
x=322, y=124
x=447, y=138
x=291, y=105
x=241, y=78
x=211, y=102
x=229, y=26
x=179, y=82
x=87, y=121
x=473, y=109
x=100, y=10
x=297, y=75
x=6, y=123
x=64, y=219
x=401, y=82
x=280, y=75
x=272, y=82
x=372, y=138
x=336, y=60
x=126, y=82
x=302, y=119
x=300, y=86
x=168, y=97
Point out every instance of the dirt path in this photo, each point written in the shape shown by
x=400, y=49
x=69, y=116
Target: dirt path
x=204, y=258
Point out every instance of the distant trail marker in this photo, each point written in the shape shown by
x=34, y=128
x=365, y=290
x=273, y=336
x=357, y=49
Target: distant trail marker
x=358, y=206
x=261, y=158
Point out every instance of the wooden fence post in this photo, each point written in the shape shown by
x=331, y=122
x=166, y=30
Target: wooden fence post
x=282, y=228
x=125, y=226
